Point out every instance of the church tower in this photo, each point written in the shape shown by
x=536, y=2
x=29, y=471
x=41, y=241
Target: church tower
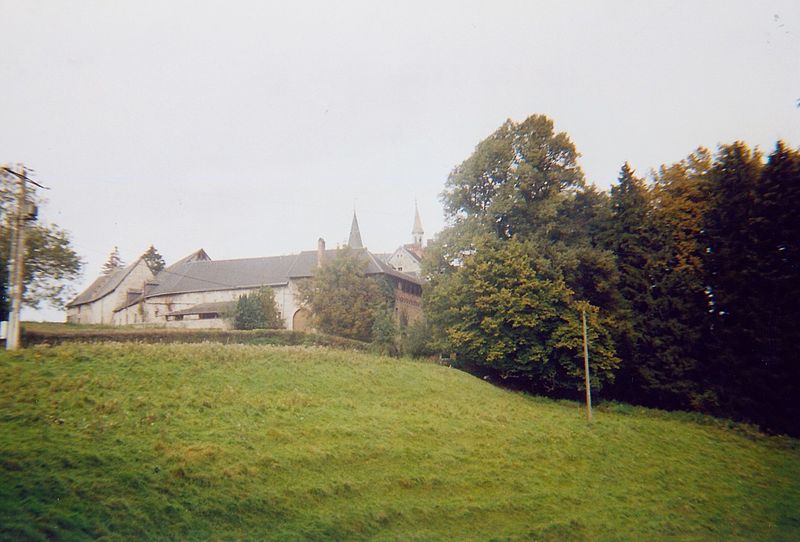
x=417, y=232
x=355, y=234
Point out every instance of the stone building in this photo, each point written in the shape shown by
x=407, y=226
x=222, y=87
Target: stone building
x=196, y=291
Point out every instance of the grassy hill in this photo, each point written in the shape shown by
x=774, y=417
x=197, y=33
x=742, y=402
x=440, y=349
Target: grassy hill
x=209, y=441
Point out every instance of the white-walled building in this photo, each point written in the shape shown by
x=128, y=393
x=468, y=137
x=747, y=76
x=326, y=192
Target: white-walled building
x=97, y=304
x=197, y=292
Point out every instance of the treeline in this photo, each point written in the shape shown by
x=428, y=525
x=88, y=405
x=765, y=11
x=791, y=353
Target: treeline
x=691, y=278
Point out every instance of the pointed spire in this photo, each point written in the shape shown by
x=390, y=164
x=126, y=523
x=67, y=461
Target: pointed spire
x=417, y=232
x=355, y=234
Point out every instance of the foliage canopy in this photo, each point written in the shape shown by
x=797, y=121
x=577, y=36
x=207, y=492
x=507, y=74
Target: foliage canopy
x=51, y=263
x=520, y=256
x=257, y=310
x=113, y=263
x=691, y=279
x=154, y=260
x=344, y=301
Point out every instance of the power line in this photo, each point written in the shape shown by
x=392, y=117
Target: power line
x=24, y=177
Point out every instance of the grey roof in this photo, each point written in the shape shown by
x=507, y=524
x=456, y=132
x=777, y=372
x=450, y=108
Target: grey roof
x=206, y=275
x=203, y=276
x=355, y=234
x=103, y=285
x=387, y=269
x=306, y=264
x=205, y=308
x=197, y=255
x=200, y=275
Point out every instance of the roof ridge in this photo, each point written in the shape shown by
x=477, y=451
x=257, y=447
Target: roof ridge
x=117, y=275
x=244, y=259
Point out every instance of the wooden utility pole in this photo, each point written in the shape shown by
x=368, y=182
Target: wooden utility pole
x=16, y=275
x=586, y=367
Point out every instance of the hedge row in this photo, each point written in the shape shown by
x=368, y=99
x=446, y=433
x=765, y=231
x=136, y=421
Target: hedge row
x=260, y=336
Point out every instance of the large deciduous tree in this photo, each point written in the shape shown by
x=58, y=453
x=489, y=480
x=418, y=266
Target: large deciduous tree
x=519, y=210
x=51, y=263
x=345, y=301
x=503, y=314
x=512, y=177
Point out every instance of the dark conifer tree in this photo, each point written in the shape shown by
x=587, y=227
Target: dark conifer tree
x=154, y=260
x=773, y=292
x=680, y=301
x=731, y=269
x=113, y=263
x=631, y=239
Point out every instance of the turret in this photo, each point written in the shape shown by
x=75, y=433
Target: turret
x=355, y=234
x=417, y=232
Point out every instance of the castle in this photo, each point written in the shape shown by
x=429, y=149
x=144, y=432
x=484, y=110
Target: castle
x=196, y=291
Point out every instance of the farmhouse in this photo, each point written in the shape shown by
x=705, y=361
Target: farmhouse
x=196, y=291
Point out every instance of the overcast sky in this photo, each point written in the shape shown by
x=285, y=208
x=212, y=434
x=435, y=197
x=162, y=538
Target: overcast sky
x=253, y=128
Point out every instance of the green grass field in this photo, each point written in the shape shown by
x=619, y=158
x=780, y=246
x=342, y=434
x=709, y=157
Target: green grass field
x=231, y=442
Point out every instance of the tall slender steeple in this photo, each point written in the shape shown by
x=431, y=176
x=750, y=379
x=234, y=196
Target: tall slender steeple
x=355, y=234
x=417, y=232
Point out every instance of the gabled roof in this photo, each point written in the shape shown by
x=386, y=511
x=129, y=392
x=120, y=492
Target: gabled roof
x=412, y=250
x=198, y=273
x=387, y=269
x=306, y=264
x=196, y=256
x=103, y=285
x=206, y=275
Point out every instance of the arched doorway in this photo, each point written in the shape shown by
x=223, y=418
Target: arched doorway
x=301, y=321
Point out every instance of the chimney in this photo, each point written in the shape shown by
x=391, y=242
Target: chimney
x=320, y=252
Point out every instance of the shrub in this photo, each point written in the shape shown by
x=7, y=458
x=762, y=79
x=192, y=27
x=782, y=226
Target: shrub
x=257, y=310
x=384, y=334
x=417, y=340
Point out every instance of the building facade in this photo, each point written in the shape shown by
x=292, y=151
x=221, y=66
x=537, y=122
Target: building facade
x=198, y=292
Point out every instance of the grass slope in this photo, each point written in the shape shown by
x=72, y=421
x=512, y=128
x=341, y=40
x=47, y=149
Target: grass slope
x=278, y=443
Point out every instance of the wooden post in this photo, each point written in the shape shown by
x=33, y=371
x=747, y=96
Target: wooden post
x=16, y=275
x=586, y=367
